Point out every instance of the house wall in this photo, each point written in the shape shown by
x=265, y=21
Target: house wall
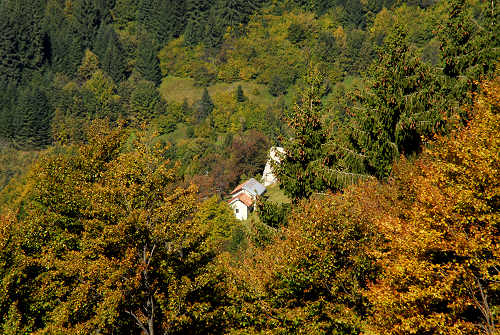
x=240, y=210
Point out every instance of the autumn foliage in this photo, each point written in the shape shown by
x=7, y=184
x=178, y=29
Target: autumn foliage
x=441, y=264
x=417, y=254
x=103, y=238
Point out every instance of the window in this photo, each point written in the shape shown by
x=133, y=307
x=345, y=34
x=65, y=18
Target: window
x=237, y=210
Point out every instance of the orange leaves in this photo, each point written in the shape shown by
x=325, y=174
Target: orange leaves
x=447, y=235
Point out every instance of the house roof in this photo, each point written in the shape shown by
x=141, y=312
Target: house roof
x=252, y=186
x=244, y=198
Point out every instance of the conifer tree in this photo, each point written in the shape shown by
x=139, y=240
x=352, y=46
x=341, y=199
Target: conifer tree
x=197, y=13
x=8, y=97
x=145, y=11
x=90, y=64
x=205, y=106
x=470, y=49
x=35, y=115
x=100, y=43
x=125, y=11
x=214, y=30
x=298, y=169
x=402, y=104
x=22, y=39
x=147, y=64
x=240, y=96
x=113, y=60
x=86, y=22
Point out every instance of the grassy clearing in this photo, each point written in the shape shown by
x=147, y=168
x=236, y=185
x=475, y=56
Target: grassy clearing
x=276, y=195
x=177, y=89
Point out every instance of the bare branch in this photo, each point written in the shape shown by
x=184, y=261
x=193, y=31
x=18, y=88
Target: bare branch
x=138, y=322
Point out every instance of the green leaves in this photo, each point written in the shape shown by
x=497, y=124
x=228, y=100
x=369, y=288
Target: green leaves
x=295, y=171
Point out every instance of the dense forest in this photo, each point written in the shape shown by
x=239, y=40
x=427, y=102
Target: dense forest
x=125, y=124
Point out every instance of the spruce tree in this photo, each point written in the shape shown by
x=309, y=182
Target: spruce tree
x=298, y=170
x=113, y=60
x=214, y=30
x=35, y=115
x=402, y=104
x=205, y=106
x=8, y=98
x=196, y=18
x=240, y=96
x=22, y=39
x=147, y=63
x=101, y=40
x=145, y=12
x=125, y=11
x=470, y=47
x=169, y=20
x=86, y=22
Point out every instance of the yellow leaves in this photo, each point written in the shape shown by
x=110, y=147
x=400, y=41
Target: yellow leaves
x=446, y=232
x=90, y=65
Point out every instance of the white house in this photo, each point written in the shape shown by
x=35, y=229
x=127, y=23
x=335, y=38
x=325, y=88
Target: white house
x=243, y=198
x=268, y=177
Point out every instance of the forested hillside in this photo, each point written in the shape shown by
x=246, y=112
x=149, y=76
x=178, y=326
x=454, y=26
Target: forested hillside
x=124, y=124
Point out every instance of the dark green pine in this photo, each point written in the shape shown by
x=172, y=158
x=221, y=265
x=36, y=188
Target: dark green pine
x=86, y=22
x=205, y=106
x=470, y=47
x=214, y=31
x=35, y=116
x=297, y=171
x=240, y=96
x=22, y=47
x=113, y=59
x=8, y=97
x=147, y=63
x=196, y=17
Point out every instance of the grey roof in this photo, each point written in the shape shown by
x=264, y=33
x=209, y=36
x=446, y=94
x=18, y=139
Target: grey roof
x=254, y=186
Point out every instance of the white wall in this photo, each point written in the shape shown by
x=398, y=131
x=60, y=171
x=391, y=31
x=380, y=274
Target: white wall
x=240, y=210
x=268, y=177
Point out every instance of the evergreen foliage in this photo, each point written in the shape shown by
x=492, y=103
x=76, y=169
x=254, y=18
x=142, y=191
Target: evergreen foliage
x=469, y=48
x=22, y=48
x=297, y=170
x=113, y=59
x=240, y=96
x=86, y=20
x=106, y=232
x=402, y=105
x=33, y=109
x=197, y=14
x=205, y=107
x=147, y=63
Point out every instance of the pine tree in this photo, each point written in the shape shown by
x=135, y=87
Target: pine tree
x=86, y=22
x=35, y=115
x=8, y=98
x=125, y=11
x=145, y=11
x=113, y=60
x=169, y=20
x=205, y=106
x=147, y=64
x=402, y=104
x=196, y=18
x=214, y=30
x=298, y=170
x=240, y=96
x=22, y=39
x=470, y=49
x=101, y=40
x=90, y=64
